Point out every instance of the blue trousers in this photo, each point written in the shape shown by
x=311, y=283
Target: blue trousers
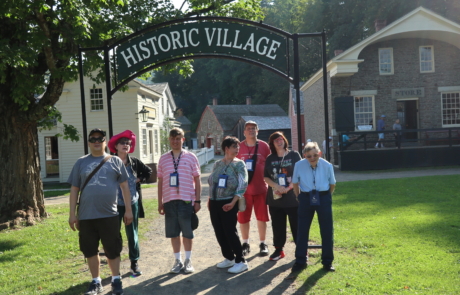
x=305, y=217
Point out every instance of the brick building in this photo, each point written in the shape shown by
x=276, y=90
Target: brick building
x=218, y=121
x=407, y=70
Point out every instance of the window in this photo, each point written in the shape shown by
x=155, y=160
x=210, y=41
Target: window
x=386, y=61
x=426, y=59
x=364, y=112
x=156, y=142
x=97, y=103
x=451, y=109
x=151, y=142
x=144, y=142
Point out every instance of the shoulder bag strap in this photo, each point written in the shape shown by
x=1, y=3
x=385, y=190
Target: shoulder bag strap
x=92, y=174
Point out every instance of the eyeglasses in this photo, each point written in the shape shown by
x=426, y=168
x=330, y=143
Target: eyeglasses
x=280, y=139
x=125, y=143
x=96, y=139
x=314, y=156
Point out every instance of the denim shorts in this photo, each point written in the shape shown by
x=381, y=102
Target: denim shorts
x=178, y=218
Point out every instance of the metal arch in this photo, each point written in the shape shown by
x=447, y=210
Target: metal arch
x=204, y=18
x=250, y=61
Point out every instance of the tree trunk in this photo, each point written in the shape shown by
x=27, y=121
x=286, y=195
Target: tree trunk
x=21, y=189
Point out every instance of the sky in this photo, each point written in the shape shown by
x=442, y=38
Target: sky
x=178, y=3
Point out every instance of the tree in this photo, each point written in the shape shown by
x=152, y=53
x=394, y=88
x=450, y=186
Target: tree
x=38, y=45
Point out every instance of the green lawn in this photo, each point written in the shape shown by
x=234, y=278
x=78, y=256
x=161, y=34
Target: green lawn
x=45, y=259
x=392, y=236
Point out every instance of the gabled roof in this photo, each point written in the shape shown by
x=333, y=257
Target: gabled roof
x=158, y=87
x=419, y=23
x=270, y=122
x=183, y=120
x=228, y=115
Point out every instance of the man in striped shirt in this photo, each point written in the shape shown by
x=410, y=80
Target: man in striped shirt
x=179, y=193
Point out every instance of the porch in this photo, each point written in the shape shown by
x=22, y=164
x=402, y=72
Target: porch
x=402, y=149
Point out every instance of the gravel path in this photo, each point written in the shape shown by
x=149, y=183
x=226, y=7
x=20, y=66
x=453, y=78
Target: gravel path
x=263, y=277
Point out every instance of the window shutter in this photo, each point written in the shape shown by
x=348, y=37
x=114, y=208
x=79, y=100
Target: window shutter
x=344, y=113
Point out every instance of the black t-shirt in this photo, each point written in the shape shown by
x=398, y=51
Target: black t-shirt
x=275, y=165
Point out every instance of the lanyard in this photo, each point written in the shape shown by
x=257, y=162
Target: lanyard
x=224, y=171
x=176, y=165
x=281, y=163
x=253, y=148
x=313, y=172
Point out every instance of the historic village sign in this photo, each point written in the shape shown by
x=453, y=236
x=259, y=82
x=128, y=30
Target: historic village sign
x=203, y=37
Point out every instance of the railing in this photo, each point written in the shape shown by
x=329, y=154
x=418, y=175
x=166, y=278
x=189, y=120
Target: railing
x=204, y=155
x=362, y=140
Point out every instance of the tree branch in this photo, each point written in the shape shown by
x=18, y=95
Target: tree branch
x=47, y=47
x=207, y=9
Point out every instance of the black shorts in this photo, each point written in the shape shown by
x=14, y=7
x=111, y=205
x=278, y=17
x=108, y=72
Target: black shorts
x=106, y=230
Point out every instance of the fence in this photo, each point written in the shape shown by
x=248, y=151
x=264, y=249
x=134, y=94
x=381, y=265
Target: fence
x=204, y=155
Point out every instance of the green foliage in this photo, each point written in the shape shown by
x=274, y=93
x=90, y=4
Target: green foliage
x=164, y=136
x=54, y=116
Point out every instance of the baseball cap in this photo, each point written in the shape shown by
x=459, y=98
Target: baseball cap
x=96, y=130
x=383, y=116
x=250, y=122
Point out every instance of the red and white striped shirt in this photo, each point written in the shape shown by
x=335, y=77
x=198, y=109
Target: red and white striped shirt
x=188, y=169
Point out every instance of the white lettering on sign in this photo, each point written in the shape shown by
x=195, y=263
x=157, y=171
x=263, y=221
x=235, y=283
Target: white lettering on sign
x=215, y=37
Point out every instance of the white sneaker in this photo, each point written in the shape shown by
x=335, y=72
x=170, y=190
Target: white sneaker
x=188, y=268
x=238, y=267
x=226, y=263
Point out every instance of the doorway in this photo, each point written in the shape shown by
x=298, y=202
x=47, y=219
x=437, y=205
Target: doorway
x=51, y=156
x=407, y=110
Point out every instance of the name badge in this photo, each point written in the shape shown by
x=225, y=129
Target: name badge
x=222, y=183
x=173, y=180
x=249, y=164
x=314, y=198
x=282, y=179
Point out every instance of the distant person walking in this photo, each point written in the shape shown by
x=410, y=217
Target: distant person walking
x=380, y=127
x=227, y=183
x=179, y=192
x=281, y=200
x=314, y=183
x=97, y=177
x=122, y=144
x=254, y=152
x=398, y=136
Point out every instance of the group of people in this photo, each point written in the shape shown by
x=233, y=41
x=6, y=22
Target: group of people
x=253, y=175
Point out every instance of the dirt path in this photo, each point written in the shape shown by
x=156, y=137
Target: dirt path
x=263, y=277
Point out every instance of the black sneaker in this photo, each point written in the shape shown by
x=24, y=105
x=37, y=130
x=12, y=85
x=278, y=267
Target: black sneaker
x=246, y=249
x=117, y=287
x=94, y=288
x=277, y=255
x=263, y=249
x=135, y=268
x=298, y=267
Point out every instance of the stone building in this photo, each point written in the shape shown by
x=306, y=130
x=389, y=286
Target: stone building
x=218, y=121
x=407, y=70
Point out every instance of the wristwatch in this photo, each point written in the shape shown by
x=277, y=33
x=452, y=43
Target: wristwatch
x=198, y=201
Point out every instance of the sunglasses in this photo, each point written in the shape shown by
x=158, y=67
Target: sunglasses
x=314, y=156
x=96, y=139
x=125, y=143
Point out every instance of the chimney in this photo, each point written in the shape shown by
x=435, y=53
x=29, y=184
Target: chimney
x=337, y=52
x=248, y=100
x=380, y=24
x=214, y=101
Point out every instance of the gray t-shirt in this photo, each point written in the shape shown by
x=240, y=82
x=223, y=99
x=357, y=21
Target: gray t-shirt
x=99, y=198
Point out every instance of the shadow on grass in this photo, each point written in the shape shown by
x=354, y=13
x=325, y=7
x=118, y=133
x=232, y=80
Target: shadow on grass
x=311, y=281
x=6, y=247
x=212, y=280
x=77, y=289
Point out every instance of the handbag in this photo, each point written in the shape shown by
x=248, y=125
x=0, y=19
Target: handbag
x=195, y=220
x=89, y=178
